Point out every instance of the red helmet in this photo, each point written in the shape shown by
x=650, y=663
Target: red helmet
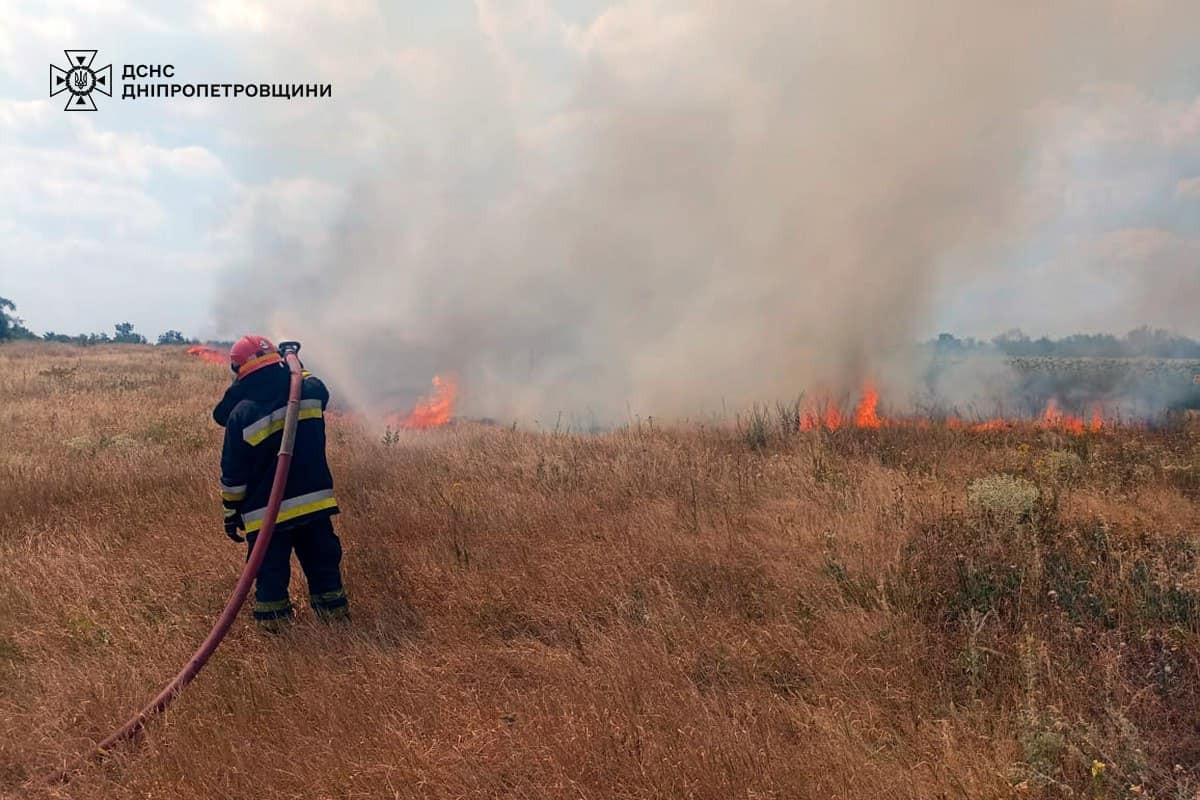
x=251, y=353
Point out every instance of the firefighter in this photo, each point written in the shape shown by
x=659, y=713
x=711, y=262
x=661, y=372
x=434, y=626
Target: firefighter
x=252, y=413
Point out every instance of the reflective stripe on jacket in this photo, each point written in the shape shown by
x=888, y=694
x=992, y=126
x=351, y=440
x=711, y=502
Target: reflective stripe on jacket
x=253, y=412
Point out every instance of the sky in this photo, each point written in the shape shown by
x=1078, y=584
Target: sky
x=153, y=210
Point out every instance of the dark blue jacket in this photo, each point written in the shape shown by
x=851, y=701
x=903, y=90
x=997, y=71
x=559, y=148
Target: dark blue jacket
x=252, y=413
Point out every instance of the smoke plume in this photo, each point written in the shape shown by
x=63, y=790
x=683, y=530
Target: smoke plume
x=729, y=201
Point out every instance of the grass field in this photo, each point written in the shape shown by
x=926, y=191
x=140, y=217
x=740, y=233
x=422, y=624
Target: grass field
x=654, y=612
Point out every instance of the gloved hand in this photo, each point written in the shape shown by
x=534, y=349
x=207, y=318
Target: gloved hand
x=232, y=524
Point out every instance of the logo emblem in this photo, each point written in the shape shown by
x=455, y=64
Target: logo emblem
x=80, y=80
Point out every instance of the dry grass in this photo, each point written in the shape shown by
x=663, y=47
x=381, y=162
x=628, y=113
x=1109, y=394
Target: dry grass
x=706, y=613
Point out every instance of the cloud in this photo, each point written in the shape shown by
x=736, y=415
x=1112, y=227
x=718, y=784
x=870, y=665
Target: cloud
x=92, y=174
x=1183, y=126
x=72, y=282
x=1111, y=282
x=1154, y=274
x=16, y=115
x=1107, y=116
x=22, y=29
x=103, y=223
x=1188, y=188
x=135, y=157
x=241, y=16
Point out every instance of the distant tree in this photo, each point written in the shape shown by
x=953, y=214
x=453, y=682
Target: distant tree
x=173, y=337
x=125, y=334
x=84, y=339
x=1012, y=343
x=947, y=343
x=1157, y=343
x=1143, y=342
x=6, y=320
x=12, y=326
x=1090, y=345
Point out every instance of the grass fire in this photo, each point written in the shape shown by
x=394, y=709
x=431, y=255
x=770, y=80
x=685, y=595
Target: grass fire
x=620, y=399
x=827, y=414
x=430, y=412
x=845, y=602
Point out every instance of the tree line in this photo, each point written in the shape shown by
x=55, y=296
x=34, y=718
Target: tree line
x=1143, y=342
x=13, y=327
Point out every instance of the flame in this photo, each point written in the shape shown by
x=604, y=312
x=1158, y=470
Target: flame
x=822, y=412
x=1051, y=415
x=826, y=413
x=208, y=354
x=818, y=414
x=865, y=415
x=433, y=411
x=831, y=417
x=1053, y=418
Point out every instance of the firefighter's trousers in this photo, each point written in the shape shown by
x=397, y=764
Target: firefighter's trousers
x=320, y=554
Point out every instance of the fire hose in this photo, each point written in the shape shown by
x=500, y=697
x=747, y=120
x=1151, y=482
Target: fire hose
x=232, y=606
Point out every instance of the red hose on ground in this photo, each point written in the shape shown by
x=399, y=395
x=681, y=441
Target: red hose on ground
x=240, y=592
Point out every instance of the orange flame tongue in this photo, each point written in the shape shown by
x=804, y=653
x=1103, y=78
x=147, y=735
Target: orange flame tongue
x=832, y=418
x=828, y=414
x=865, y=415
x=208, y=354
x=824, y=413
x=1053, y=418
x=435, y=410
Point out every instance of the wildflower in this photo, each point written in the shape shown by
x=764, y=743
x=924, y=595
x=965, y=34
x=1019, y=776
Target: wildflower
x=1098, y=768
